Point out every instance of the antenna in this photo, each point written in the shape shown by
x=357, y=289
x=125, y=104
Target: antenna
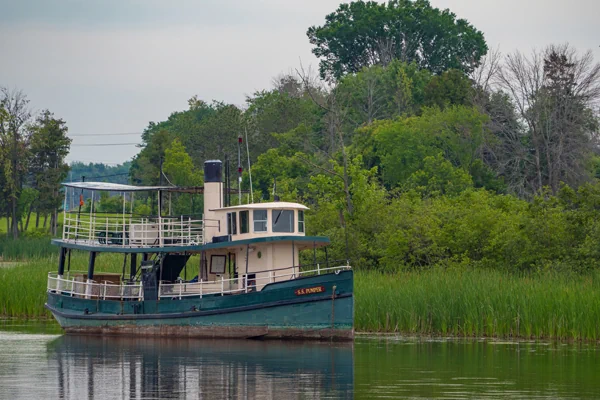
x=240, y=168
x=227, y=188
x=249, y=170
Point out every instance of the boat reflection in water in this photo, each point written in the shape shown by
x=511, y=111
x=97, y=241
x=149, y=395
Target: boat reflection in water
x=130, y=368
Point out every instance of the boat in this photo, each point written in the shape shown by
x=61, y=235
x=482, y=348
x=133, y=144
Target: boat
x=232, y=272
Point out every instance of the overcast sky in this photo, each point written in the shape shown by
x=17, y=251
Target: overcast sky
x=111, y=66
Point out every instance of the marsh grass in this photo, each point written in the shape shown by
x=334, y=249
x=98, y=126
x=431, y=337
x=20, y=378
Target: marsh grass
x=461, y=303
x=26, y=248
x=23, y=287
x=479, y=303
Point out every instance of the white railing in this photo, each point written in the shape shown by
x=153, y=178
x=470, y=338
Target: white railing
x=76, y=286
x=224, y=286
x=128, y=231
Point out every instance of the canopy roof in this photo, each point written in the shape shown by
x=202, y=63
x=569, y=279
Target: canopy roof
x=118, y=187
x=277, y=205
x=112, y=187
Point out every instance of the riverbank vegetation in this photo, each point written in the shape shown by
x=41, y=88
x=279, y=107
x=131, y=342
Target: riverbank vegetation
x=461, y=302
x=480, y=303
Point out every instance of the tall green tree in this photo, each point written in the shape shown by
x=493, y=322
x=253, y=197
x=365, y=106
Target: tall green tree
x=458, y=133
x=49, y=146
x=178, y=166
x=363, y=33
x=14, y=133
x=452, y=87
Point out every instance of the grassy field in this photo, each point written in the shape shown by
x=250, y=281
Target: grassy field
x=472, y=303
x=31, y=227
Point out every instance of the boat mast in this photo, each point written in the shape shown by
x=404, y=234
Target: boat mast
x=240, y=168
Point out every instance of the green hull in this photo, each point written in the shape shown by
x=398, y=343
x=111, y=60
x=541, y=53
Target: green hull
x=279, y=310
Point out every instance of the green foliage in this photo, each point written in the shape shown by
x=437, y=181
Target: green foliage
x=360, y=34
x=282, y=110
x=438, y=177
x=457, y=132
x=331, y=217
x=34, y=244
x=178, y=166
x=110, y=204
x=452, y=87
x=479, y=303
x=142, y=209
x=100, y=172
x=290, y=171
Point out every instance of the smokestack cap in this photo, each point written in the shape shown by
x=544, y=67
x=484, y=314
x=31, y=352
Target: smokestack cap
x=212, y=171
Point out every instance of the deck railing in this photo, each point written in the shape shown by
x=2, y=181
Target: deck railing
x=130, y=231
x=224, y=286
x=74, y=285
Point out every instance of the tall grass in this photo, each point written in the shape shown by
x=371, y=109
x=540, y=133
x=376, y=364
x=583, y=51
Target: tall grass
x=479, y=303
x=23, y=287
x=26, y=248
x=464, y=303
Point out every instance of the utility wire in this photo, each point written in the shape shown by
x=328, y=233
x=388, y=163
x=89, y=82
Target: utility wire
x=103, y=134
x=106, y=176
x=104, y=144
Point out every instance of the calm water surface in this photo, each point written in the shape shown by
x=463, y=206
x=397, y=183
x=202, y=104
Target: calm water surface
x=40, y=363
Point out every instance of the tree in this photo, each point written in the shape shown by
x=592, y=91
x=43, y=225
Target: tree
x=452, y=87
x=438, y=177
x=361, y=34
x=555, y=92
x=457, y=132
x=13, y=146
x=377, y=92
x=178, y=166
x=49, y=147
x=278, y=111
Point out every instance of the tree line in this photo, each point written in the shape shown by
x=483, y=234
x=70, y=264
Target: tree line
x=414, y=144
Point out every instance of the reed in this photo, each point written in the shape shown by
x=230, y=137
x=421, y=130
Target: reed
x=462, y=303
x=479, y=303
x=23, y=287
x=26, y=248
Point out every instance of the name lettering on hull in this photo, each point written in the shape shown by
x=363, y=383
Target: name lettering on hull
x=311, y=290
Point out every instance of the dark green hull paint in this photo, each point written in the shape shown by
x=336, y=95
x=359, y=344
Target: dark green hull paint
x=276, y=311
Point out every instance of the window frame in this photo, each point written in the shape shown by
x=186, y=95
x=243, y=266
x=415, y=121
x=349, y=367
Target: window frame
x=232, y=223
x=247, y=214
x=254, y=220
x=301, y=222
x=281, y=212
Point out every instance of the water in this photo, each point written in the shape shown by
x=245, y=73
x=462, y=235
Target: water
x=40, y=363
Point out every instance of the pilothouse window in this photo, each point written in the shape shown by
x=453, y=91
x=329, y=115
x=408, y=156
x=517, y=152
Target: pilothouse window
x=260, y=220
x=283, y=220
x=300, y=221
x=231, y=224
x=244, y=226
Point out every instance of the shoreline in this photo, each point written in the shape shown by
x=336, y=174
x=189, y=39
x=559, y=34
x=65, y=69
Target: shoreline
x=49, y=322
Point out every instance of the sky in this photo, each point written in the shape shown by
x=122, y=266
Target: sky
x=109, y=67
